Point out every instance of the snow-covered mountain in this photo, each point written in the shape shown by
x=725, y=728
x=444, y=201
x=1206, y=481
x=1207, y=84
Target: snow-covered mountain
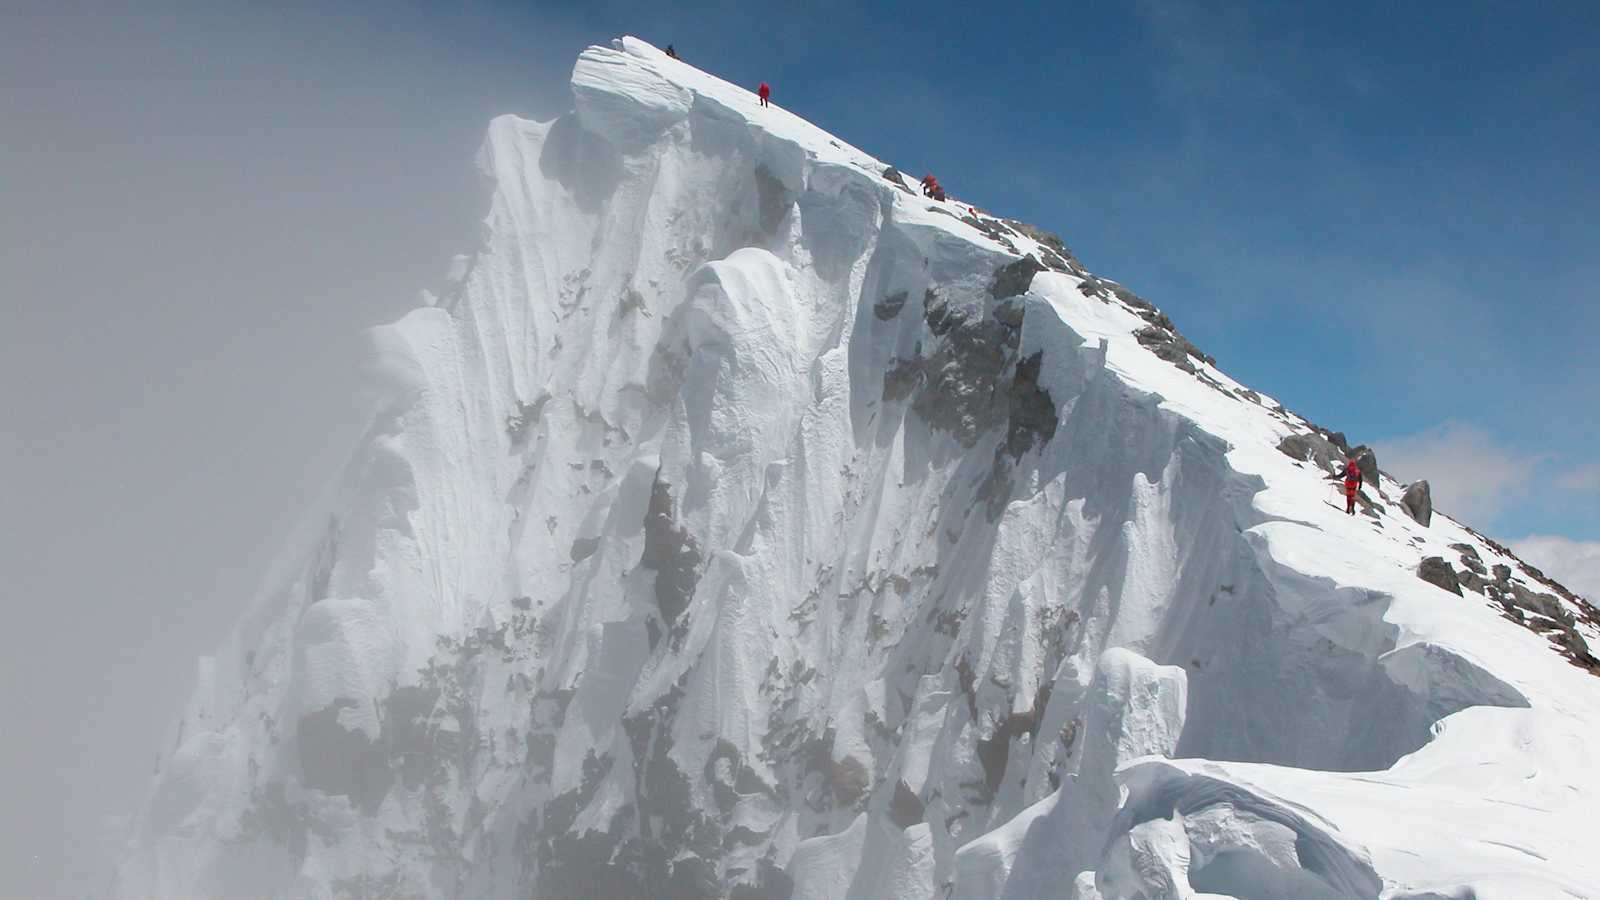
x=742, y=524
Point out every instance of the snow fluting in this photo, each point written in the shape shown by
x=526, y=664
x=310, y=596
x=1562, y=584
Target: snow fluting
x=740, y=523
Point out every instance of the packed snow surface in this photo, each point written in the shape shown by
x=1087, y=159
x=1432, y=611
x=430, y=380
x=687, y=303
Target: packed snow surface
x=742, y=524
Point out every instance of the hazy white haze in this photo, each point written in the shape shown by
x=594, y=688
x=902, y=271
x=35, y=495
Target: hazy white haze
x=199, y=213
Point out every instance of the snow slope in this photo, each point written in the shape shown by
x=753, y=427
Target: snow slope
x=742, y=524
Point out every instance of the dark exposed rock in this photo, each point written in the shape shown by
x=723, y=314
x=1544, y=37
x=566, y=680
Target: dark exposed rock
x=957, y=387
x=526, y=416
x=907, y=808
x=996, y=232
x=1502, y=574
x=1158, y=319
x=902, y=377
x=1167, y=345
x=583, y=548
x=968, y=680
x=1418, y=502
x=1160, y=336
x=994, y=750
x=721, y=772
x=1309, y=447
x=1436, y=571
x=772, y=883
x=892, y=175
x=1368, y=461
x=343, y=760
x=890, y=306
x=1032, y=413
x=1470, y=559
x=1470, y=580
x=671, y=551
x=1031, y=421
x=1010, y=312
x=1576, y=648
x=415, y=741
x=1133, y=300
x=1060, y=257
x=1014, y=278
x=271, y=814
x=1512, y=612
x=632, y=301
x=850, y=781
x=1544, y=604
x=678, y=847
x=586, y=864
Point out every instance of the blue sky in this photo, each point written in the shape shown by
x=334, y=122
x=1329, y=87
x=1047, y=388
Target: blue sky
x=1387, y=215
x=1383, y=214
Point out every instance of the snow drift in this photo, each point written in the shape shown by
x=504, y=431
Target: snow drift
x=741, y=524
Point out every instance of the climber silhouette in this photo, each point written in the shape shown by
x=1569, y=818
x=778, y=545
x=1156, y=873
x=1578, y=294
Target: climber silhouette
x=764, y=91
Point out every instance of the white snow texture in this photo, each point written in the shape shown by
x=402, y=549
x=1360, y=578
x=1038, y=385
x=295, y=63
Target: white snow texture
x=741, y=524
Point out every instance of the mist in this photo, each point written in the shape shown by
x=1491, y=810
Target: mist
x=202, y=212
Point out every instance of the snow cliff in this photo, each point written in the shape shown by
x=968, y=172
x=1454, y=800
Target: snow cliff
x=741, y=524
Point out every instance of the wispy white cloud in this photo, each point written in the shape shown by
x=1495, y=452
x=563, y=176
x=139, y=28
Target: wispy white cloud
x=1471, y=475
x=1476, y=476
x=1582, y=478
x=1575, y=564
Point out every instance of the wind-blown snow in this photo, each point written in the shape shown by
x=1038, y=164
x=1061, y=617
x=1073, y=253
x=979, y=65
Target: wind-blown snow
x=742, y=524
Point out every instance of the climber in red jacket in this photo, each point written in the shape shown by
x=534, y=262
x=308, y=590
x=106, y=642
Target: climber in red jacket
x=764, y=91
x=1352, y=485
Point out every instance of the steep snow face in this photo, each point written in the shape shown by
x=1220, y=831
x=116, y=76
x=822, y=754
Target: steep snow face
x=742, y=524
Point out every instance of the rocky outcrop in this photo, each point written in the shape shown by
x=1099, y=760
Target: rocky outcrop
x=1537, y=611
x=1310, y=447
x=1014, y=278
x=1056, y=253
x=1418, y=502
x=671, y=551
x=1169, y=345
x=890, y=306
x=1368, y=461
x=1436, y=571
